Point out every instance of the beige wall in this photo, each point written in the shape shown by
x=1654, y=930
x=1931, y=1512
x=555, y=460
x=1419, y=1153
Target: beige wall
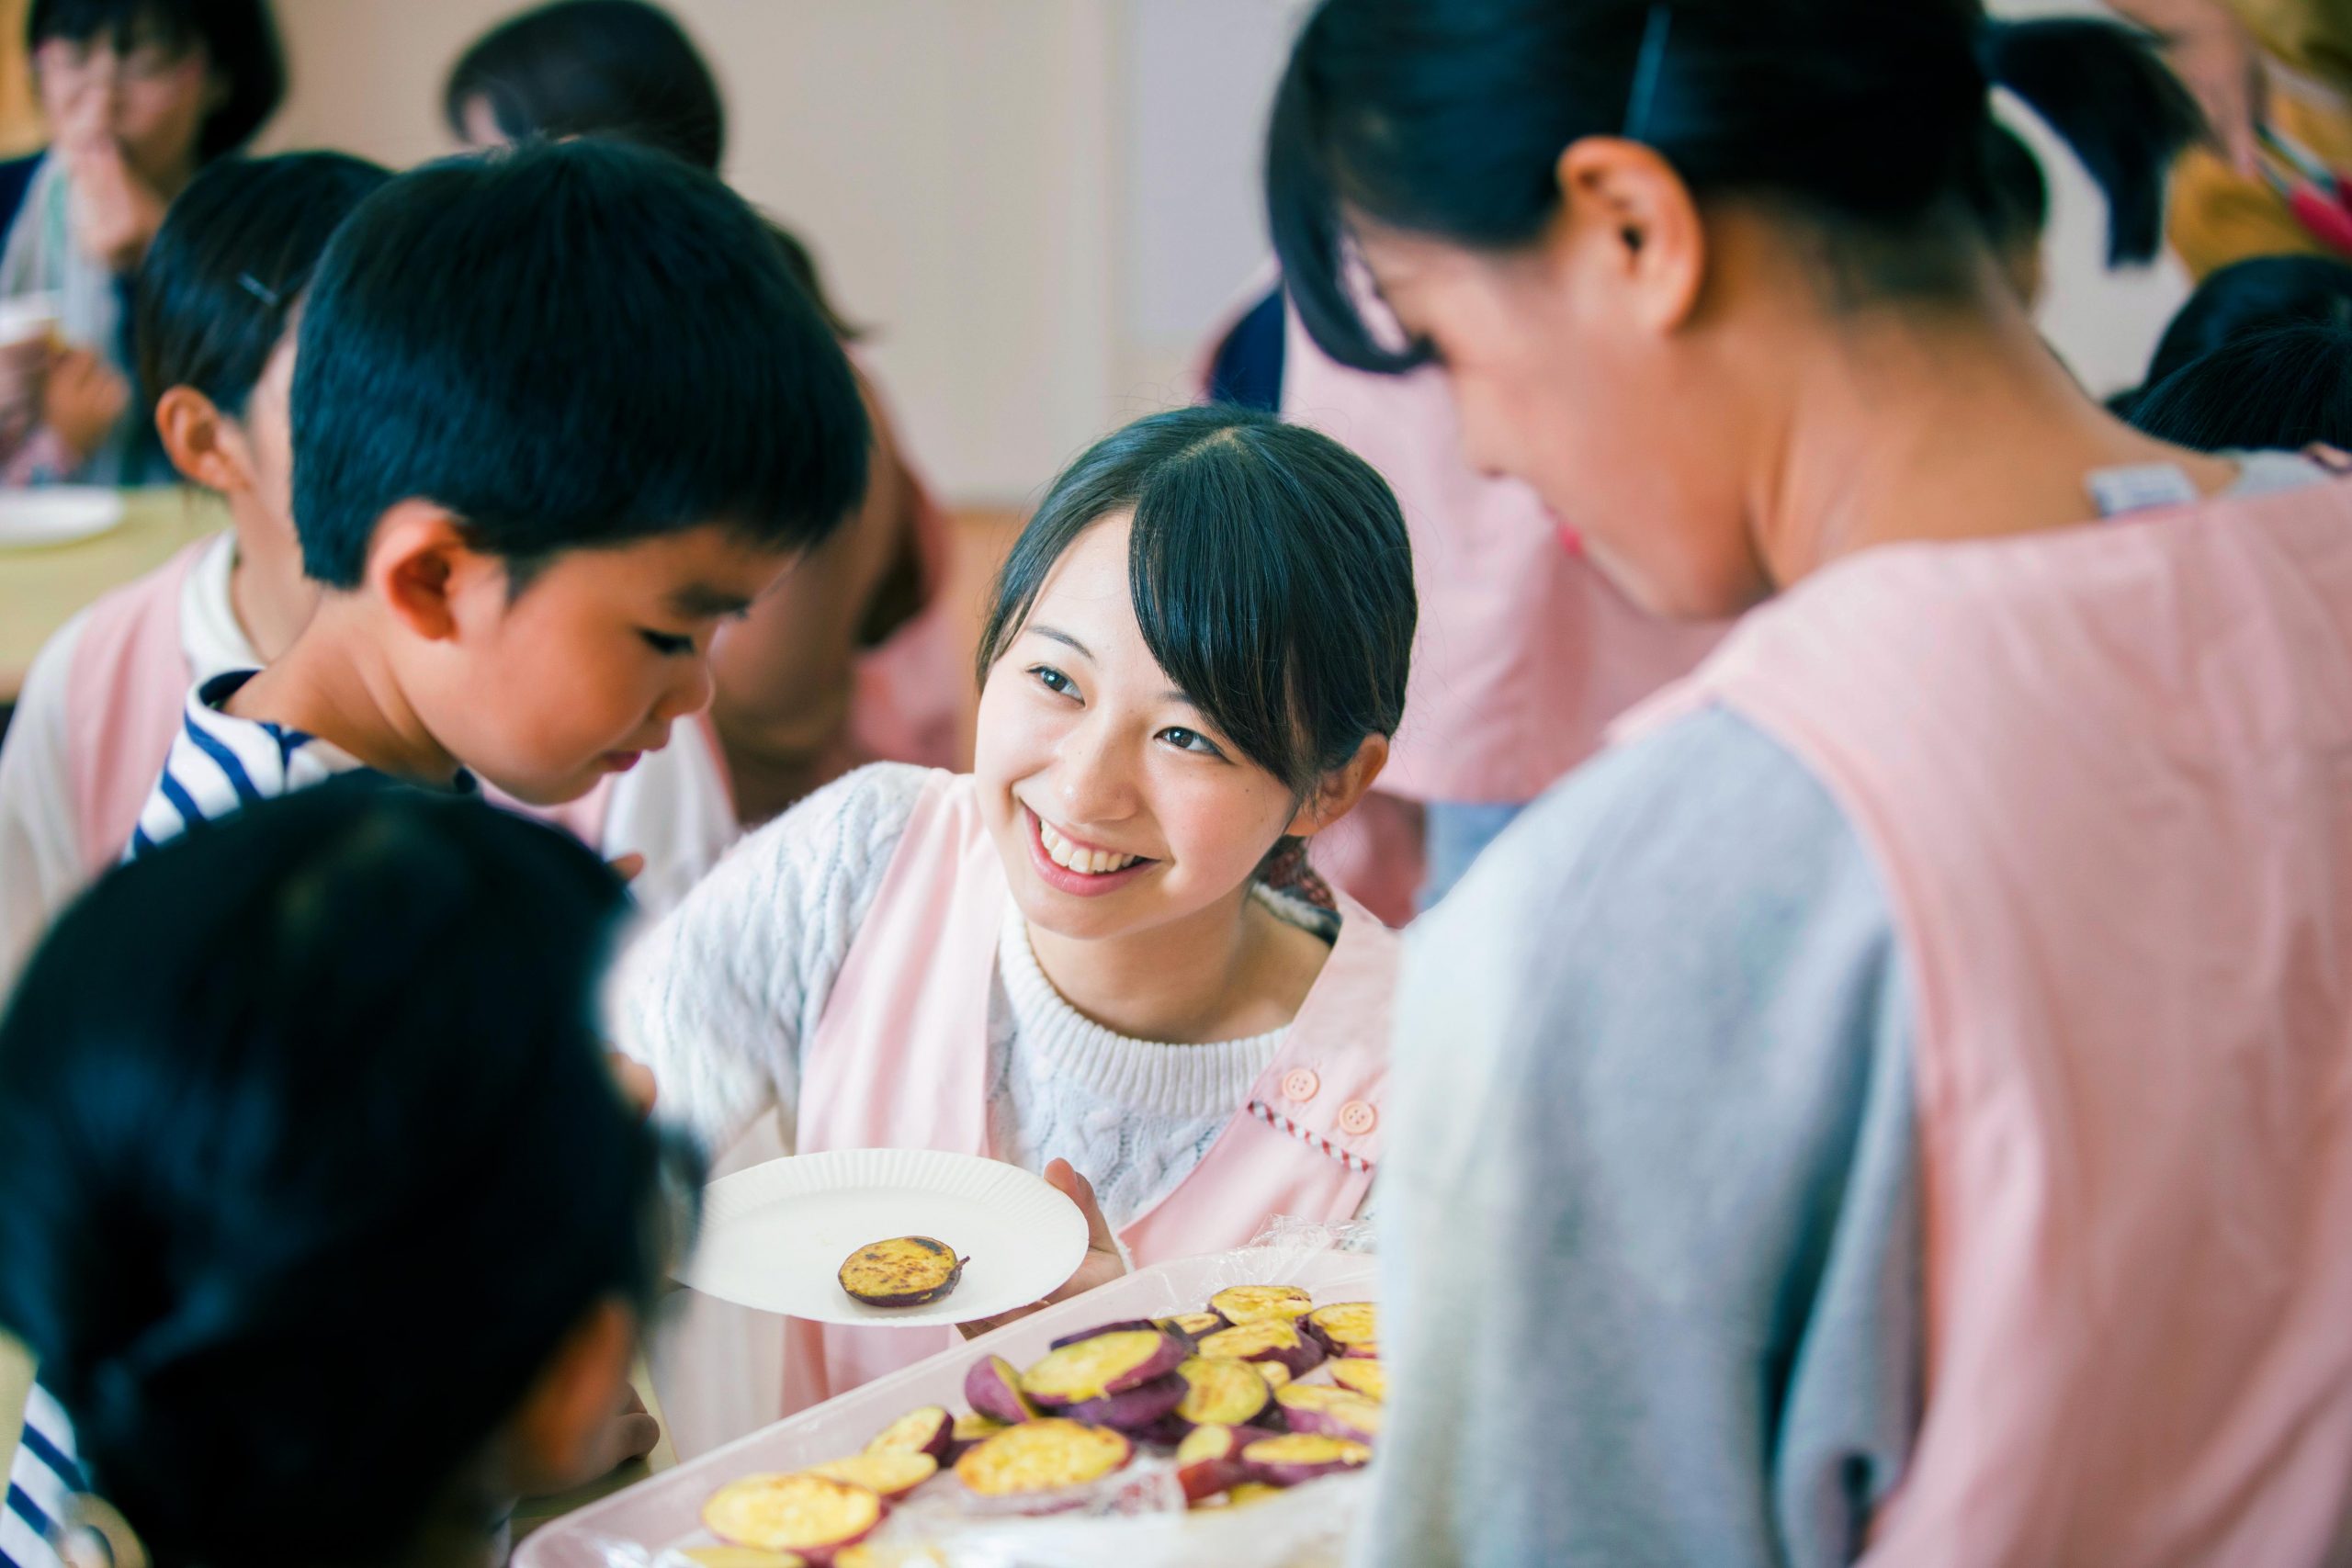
x=949, y=161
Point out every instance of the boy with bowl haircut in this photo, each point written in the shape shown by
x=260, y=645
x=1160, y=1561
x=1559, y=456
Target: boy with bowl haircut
x=557, y=414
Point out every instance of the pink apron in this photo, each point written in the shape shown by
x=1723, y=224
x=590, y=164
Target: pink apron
x=900, y=1055
x=124, y=692
x=2107, y=775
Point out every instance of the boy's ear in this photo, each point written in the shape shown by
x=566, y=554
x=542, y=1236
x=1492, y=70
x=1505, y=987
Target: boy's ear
x=422, y=563
x=561, y=1431
x=1341, y=788
x=206, y=446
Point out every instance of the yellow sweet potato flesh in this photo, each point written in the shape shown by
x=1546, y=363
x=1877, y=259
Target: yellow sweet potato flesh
x=1346, y=1323
x=791, y=1513
x=1260, y=1303
x=1043, y=1455
x=891, y=1474
x=1093, y=1368
x=923, y=1432
x=906, y=1270
x=1369, y=1378
x=1225, y=1392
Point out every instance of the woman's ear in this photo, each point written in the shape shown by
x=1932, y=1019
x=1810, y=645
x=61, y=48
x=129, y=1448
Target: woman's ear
x=206, y=446
x=1630, y=231
x=559, y=1432
x=1339, y=789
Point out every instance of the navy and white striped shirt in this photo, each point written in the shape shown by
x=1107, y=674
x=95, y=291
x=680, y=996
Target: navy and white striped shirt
x=219, y=764
x=42, y=1479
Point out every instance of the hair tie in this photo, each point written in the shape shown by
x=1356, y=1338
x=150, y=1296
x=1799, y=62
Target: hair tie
x=258, y=289
x=1649, y=65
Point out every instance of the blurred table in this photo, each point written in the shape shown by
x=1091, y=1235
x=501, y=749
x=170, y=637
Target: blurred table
x=41, y=589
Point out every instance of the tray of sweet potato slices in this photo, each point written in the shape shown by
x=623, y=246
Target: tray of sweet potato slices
x=1213, y=1410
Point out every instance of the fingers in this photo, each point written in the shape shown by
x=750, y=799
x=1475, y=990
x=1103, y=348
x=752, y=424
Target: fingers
x=1064, y=1177
x=626, y=866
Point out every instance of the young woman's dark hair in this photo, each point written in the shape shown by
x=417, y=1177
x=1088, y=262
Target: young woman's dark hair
x=239, y=38
x=1867, y=117
x=2253, y=297
x=2285, y=387
x=1271, y=572
x=308, y=1160
x=231, y=262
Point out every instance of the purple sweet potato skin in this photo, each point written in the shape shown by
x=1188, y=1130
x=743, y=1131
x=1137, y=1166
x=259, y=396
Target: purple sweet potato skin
x=1134, y=1410
x=1331, y=1422
x=1206, y=1476
x=1282, y=1473
x=1131, y=1326
x=1301, y=1357
x=993, y=1388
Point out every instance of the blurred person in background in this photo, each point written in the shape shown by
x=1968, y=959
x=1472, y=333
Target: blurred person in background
x=138, y=94
x=2274, y=78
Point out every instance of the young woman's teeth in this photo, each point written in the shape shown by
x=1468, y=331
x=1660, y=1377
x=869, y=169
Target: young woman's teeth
x=1087, y=862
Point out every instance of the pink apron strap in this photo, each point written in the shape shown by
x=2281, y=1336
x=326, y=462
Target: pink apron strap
x=900, y=1057
x=124, y=691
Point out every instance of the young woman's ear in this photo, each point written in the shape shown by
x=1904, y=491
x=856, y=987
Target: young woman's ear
x=206, y=446
x=421, y=564
x=1341, y=788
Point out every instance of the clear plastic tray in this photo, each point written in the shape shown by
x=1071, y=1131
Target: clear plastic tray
x=638, y=1524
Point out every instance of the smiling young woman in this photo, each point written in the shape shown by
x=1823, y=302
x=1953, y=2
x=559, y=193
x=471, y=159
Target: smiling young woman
x=1099, y=951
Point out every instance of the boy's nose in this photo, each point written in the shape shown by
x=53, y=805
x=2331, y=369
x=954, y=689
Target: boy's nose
x=690, y=694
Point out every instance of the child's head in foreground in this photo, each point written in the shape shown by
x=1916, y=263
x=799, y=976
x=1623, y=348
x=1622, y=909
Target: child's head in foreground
x=559, y=413
x=331, y=1232
x=1198, y=651
x=218, y=291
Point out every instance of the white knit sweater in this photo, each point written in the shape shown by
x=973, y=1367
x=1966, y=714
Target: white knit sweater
x=718, y=997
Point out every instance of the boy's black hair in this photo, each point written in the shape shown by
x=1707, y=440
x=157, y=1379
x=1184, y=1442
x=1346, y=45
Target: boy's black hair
x=1270, y=574
x=240, y=37
x=570, y=345
x=295, y=1213
x=230, y=264
x=2286, y=387
x=1868, y=117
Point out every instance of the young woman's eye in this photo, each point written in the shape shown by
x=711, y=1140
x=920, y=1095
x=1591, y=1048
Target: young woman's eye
x=1052, y=679
x=1191, y=741
x=667, y=643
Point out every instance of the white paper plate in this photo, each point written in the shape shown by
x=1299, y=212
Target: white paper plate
x=774, y=1236
x=60, y=514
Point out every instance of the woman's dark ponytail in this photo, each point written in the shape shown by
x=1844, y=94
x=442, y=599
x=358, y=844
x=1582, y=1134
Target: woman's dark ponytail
x=2104, y=90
